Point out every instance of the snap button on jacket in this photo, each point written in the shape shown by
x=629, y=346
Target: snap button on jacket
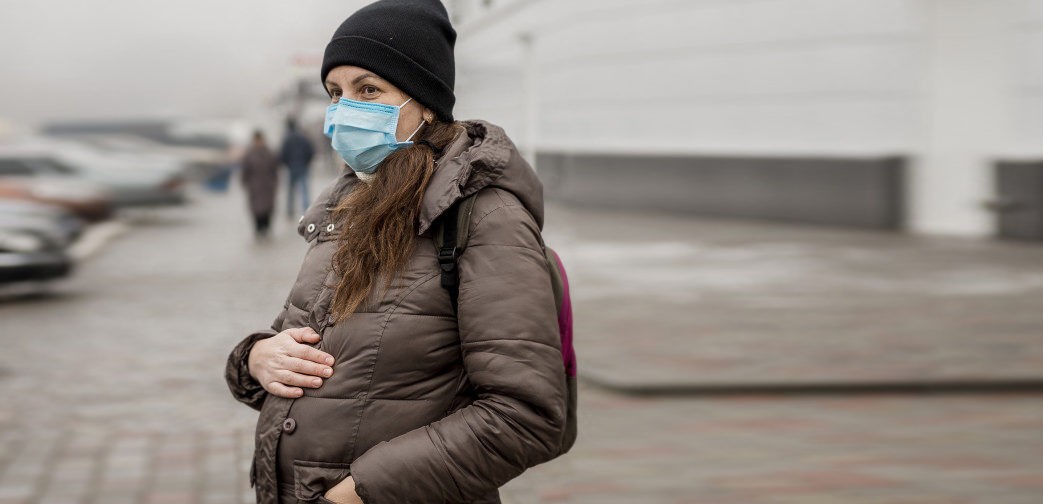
x=424, y=406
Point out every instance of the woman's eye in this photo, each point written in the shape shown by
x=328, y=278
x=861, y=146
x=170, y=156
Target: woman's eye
x=369, y=91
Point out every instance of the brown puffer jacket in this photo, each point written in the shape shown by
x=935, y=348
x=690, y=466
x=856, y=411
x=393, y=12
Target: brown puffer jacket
x=423, y=406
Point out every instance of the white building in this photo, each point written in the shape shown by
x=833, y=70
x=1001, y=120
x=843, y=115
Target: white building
x=875, y=113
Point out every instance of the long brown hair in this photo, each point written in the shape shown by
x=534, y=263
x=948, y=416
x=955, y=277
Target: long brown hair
x=377, y=220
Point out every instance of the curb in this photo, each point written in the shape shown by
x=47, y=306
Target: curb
x=682, y=389
x=95, y=237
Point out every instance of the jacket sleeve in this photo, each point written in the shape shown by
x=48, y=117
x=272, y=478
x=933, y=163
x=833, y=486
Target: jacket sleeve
x=244, y=387
x=512, y=357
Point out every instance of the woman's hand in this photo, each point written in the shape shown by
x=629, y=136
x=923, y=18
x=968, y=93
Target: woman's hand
x=344, y=493
x=284, y=363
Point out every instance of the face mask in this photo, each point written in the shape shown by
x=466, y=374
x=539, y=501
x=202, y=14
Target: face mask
x=364, y=132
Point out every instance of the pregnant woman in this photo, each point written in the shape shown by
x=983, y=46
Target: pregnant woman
x=372, y=387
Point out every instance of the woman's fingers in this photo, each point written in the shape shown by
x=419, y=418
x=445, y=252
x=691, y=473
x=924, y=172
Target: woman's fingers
x=284, y=391
x=290, y=364
x=304, y=335
x=308, y=367
x=311, y=354
x=292, y=379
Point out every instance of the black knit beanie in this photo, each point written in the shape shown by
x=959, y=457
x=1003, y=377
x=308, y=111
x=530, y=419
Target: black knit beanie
x=407, y=42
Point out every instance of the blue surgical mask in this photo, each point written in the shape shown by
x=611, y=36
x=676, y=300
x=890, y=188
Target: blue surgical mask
x=364, y=132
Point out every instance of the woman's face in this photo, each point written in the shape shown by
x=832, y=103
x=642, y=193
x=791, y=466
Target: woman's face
x=356, y=83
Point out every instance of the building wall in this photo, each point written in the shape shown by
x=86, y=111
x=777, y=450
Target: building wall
x=1027, y=87
x=769, y=79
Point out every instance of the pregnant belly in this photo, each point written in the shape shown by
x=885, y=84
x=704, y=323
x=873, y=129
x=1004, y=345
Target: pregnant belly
x=329, y=430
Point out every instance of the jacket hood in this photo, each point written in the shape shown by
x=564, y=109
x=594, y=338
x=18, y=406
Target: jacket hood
x=484, y=157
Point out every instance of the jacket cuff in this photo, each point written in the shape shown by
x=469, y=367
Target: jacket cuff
x=244, y=387
x=361, y=491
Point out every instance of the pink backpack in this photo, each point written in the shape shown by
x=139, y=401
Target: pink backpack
x=450, y=243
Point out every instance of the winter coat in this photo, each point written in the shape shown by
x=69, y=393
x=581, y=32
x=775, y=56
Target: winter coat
x=424, y=406
x=260, y=178
x=296, y=152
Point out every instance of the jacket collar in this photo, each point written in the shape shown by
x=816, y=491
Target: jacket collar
x=483, y=156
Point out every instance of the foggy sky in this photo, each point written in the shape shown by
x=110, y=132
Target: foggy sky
x=74, y=59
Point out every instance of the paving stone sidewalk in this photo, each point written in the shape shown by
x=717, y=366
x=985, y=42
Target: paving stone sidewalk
x=780, y=449
x=112, y=387
x=672, y=303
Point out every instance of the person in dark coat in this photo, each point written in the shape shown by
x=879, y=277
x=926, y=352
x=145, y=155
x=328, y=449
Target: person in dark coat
x=260, y=177
x=296, y=154
x=371, y=386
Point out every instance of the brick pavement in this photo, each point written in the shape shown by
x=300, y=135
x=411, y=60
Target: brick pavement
x=113, y=393
x=807, y=449
x=668, y=302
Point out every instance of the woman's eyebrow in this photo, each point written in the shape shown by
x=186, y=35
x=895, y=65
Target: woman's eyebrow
x=360, y=78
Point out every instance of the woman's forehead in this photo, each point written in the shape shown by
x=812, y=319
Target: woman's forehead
x=348, y=73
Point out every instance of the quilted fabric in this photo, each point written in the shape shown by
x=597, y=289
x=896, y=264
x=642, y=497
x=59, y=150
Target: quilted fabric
x=423, y=406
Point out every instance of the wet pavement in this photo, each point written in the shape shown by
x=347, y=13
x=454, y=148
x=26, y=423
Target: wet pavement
x=113, y=387
x=673, y=303
x=867, y=449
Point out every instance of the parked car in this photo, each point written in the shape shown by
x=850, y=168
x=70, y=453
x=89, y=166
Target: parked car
x=128, y=186
x=205, y=146
x=83, y=199
x=54, y=221
x=27, y=254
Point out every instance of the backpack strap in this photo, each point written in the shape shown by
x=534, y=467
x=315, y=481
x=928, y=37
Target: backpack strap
x=557, y=283
x=451, y=234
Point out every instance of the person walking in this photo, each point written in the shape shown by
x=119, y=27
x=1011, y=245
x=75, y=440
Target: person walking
x=374, y=384
x=260, y=177
x=296, y=154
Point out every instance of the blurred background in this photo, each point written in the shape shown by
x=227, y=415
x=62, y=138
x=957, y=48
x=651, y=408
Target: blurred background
x=804, y=239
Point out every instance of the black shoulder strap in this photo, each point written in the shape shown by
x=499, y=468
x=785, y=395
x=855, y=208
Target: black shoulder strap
x=451, y=236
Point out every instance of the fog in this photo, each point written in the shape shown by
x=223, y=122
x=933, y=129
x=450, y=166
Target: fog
x=65, y=59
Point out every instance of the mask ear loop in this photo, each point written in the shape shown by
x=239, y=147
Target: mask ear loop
x=421, y=125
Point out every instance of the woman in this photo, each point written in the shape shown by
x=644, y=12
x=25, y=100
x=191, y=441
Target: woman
x=371, y=389
x=260, y=177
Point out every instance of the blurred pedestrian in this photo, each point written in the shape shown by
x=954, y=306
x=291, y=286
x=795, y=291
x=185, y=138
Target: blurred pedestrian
x=296, y=154
x=260, y=176
x=378, y=382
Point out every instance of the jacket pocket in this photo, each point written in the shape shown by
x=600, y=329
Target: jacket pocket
x=311, y=479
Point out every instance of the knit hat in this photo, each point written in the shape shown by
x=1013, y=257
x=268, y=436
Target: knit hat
x=407, y=42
